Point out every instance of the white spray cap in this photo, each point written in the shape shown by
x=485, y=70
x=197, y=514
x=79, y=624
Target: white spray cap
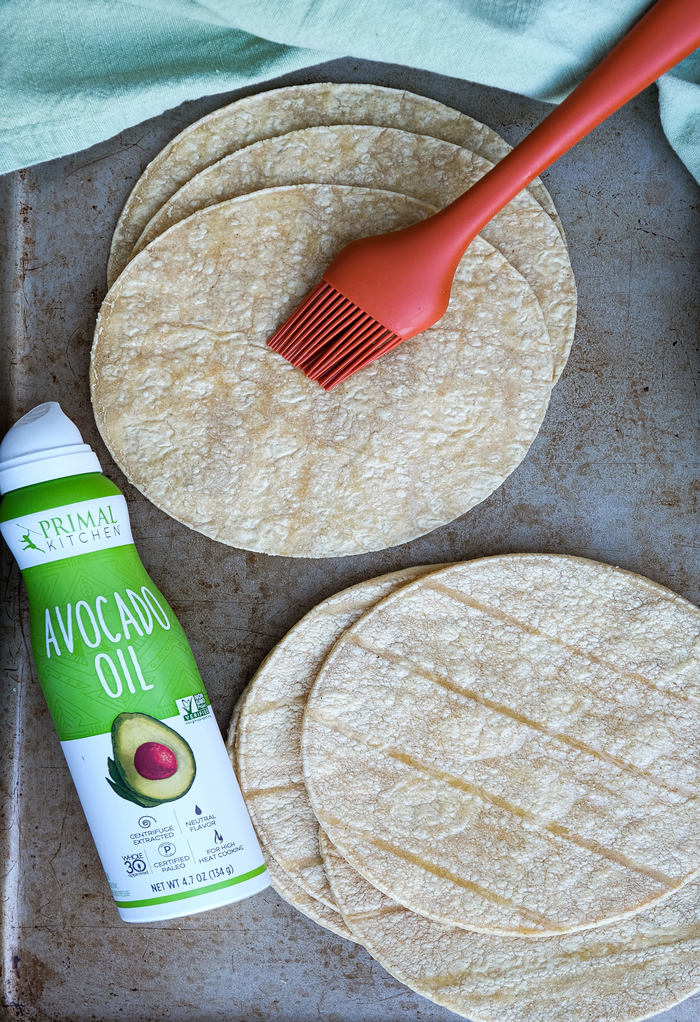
x=44, y=444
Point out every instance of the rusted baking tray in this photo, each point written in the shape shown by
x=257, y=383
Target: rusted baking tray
x=614, y=475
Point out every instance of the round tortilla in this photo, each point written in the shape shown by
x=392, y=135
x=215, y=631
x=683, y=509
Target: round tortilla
x=331, y=919
x=512, y=745
x=265, y=731
x=423, y=167
x=286, y=886
x=623, y=972
x=227, y=437
x=279, y=111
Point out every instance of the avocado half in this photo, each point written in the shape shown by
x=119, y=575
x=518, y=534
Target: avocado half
x=132, y=732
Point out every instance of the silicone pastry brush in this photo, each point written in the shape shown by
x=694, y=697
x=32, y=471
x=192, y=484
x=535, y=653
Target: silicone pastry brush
x=382, y=290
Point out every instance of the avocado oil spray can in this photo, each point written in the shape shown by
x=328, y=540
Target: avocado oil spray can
x=124, y=692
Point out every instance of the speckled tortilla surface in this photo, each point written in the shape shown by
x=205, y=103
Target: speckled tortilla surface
x=512, y=745
x=277, y=112
x=230, y=439
x=423, y=167
x=265, y=734
x=325, y=914
x=330, y=918
x=623, y=972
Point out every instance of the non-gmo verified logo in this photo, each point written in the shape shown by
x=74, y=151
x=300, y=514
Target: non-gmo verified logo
x=193, y=707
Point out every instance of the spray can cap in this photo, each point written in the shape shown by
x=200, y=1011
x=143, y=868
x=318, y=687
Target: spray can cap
x=44, y=444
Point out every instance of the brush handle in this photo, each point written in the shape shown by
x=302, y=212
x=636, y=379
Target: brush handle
x=666, y=34
x=403, y=279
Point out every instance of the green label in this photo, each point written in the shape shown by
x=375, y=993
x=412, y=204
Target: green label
x=106, y=642
x=194, y=894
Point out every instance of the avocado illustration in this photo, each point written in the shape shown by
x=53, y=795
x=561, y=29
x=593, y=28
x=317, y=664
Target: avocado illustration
x=152, y=763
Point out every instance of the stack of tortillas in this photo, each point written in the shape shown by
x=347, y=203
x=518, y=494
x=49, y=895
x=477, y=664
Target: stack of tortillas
x=224, y=234
x=503, y=756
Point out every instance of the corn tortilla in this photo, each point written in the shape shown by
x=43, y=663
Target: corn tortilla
x=285, y=885
x=265, y=731
x=623, y=972
x=277, y=112
x=512, y=745
x=230, y=439
x=296, y=896
x=421, y=166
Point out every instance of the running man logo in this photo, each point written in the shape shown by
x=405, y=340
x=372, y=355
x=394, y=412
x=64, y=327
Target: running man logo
x=79, y=528
x=29, y=544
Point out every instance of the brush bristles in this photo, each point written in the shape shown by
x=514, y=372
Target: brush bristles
x=329, y=338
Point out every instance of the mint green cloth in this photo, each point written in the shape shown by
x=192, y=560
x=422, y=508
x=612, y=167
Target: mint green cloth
x=75, y=72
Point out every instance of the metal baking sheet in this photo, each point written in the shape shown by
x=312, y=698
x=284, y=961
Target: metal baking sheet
x=613, y=475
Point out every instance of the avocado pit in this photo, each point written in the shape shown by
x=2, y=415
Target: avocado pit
x=154, y=761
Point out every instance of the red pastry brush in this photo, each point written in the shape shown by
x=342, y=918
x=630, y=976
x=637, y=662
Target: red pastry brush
x=382, y=290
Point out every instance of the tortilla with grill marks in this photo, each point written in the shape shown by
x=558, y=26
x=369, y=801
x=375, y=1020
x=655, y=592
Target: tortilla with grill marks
x=511, y=745
x=266, y=731
x=623, y=972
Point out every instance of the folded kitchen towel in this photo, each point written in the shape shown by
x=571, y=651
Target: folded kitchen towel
x=75, y=72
